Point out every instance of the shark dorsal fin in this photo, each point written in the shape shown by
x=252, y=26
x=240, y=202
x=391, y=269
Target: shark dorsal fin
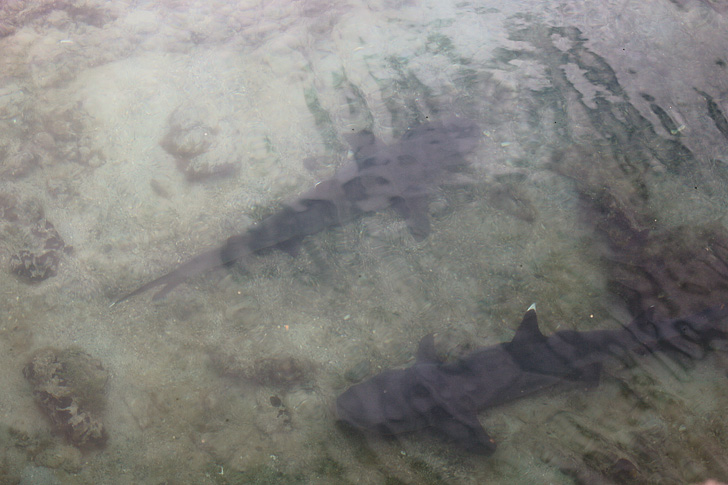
x=528, y=329
x=426, y=352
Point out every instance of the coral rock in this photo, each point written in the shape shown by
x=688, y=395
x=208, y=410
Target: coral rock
x=69, y=386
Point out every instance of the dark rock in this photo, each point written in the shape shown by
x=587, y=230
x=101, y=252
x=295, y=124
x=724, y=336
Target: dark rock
x=69, y=385
x=279, y=371
x=200, y=144
x=284, y=372
x=40, y=260
x=8, y=208
x=33, y=267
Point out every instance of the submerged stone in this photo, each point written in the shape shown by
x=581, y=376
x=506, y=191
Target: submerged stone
x=69, y=385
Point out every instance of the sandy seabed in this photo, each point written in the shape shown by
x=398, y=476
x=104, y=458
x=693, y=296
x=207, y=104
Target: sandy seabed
x=145, y=132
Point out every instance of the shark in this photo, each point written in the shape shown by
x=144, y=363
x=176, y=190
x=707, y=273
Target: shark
x=446, y=397
x=401, y=176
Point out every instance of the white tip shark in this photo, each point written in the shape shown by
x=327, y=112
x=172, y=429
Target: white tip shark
x=446, y=397
x=401, y=176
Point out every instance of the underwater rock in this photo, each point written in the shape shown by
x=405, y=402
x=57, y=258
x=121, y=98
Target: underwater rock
x=19, y=164
x=11, y=97
x=62, y=136
x=189, y=134
x=46, y=139
x=40, y=262
x=624, y=471
x=8, y=208
x=283, y=372
x=61, y=457
x=69, y=386
x=6, y=29
x=200, y=143
x=34, y=267
x=279, y=371
x=677, y=270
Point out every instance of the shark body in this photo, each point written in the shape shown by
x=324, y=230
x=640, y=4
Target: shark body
x=401, y=176
x=446, y=397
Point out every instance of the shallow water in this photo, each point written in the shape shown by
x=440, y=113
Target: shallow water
x=147, y=133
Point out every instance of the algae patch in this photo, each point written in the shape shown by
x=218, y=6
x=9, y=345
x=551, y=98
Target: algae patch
x=69, y=385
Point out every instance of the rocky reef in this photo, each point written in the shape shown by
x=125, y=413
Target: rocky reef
x=69, y=385
x=40, y=247
x=41, y=261
x=201, y=144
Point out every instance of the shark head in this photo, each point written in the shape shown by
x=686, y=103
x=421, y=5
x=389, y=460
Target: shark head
x=404, y=400
x=379, y=405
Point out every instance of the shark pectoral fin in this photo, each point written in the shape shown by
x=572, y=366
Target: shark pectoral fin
x=291, y=246
x=426, y=352
x=466, y=431
x=419, y=227
x=365, y=146
x=234, y=248
x=414, y=212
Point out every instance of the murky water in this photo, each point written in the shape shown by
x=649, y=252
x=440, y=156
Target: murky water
x=135, y=136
